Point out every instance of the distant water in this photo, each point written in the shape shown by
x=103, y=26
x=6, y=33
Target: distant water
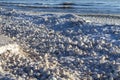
x=74, y=6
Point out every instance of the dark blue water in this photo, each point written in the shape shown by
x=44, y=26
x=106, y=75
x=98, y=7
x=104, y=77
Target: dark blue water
x=73, y=6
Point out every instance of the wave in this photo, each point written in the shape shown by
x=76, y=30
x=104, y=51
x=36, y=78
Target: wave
x=67, y=3
x=64, y=5
x=45, y=6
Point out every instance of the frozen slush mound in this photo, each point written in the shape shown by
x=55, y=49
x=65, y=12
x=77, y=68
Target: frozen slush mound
x=62, y=46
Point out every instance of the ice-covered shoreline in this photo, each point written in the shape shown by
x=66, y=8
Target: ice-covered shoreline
x=61, y=46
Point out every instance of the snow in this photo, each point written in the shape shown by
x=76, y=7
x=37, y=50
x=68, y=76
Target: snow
x=70, y=45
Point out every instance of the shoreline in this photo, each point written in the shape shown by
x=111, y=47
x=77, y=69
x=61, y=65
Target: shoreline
x=101, y=15
x=110, y=19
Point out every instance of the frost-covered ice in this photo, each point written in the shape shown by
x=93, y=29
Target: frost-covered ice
x=60, y=47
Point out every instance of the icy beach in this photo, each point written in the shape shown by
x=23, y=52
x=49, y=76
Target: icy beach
x=59, y=46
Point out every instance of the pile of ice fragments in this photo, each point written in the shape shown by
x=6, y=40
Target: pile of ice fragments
x=60, y=47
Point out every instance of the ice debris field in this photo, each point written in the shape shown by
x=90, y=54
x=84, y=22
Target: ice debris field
x=59, y=47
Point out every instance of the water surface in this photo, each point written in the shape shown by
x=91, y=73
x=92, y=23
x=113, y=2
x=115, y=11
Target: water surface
x=72, y=6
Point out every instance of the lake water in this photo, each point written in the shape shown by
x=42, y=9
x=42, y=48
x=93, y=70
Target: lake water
x=72, y=6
